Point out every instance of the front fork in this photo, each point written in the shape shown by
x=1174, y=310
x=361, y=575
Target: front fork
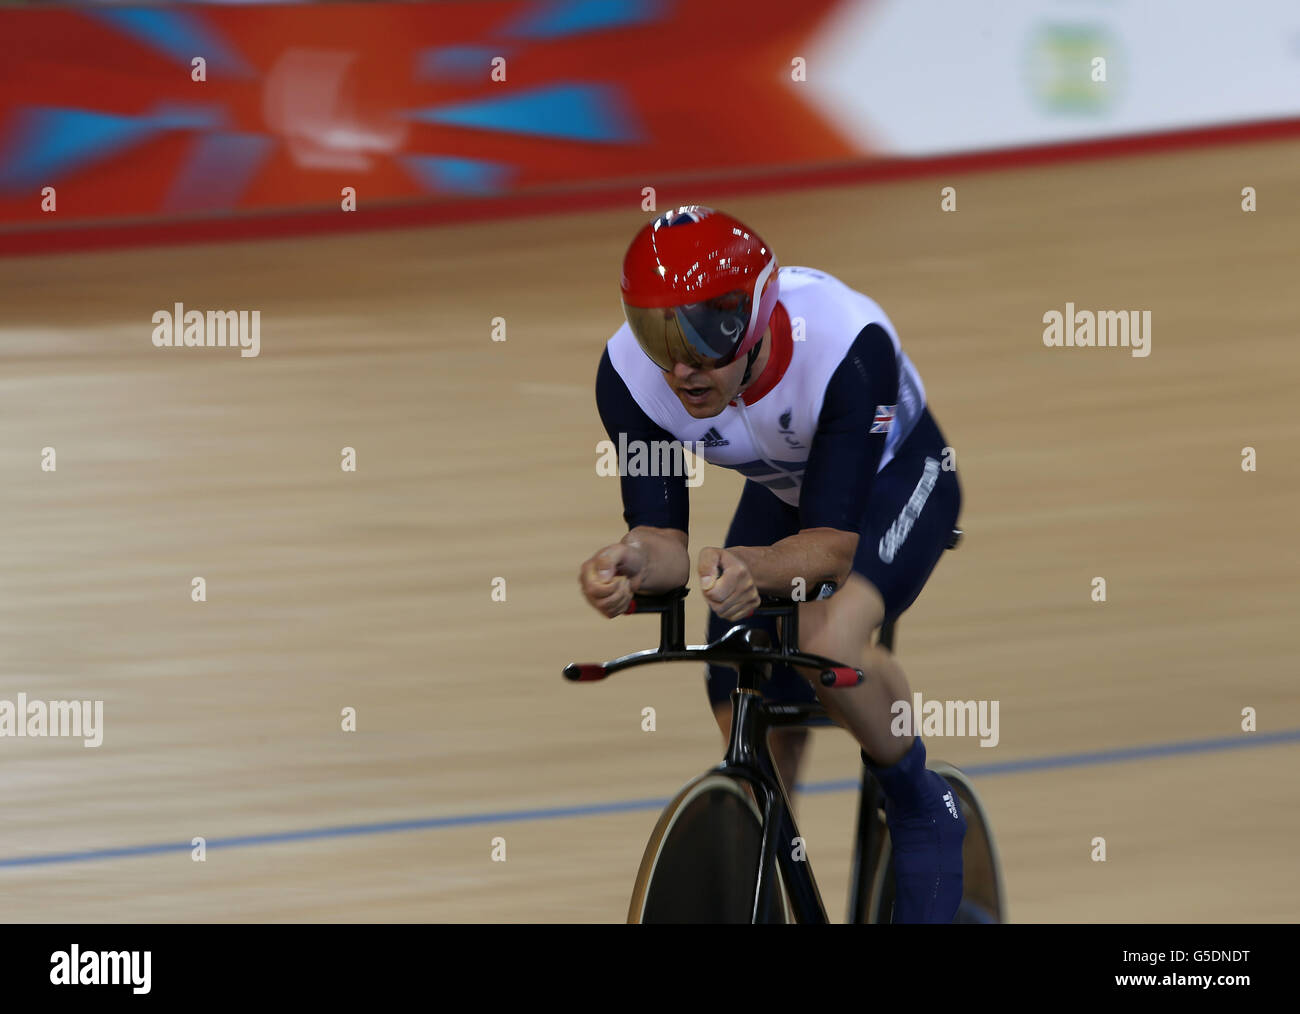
x=745, y=760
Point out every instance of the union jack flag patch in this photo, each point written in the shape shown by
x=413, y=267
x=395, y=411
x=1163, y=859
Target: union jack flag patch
x=884, y=418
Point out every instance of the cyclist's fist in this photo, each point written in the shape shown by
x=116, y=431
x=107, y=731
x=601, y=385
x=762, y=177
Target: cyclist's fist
x=727, y=584
x=611, y=577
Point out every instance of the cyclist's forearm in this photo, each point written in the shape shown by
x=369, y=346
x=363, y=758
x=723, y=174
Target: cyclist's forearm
x=667, y=561
x=813, y=555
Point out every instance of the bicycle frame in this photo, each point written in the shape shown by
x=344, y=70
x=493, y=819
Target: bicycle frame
x=747, y=758
x=752, y=717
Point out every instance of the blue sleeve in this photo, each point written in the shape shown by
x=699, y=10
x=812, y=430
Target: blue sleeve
x=655, y=501
x=845, y=453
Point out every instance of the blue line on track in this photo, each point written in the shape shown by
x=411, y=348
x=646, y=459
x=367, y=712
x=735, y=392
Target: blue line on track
x=975, y=771
x=1083, y=760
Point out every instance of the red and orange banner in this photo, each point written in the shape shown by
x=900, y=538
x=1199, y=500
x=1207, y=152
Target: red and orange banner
x=121, y=115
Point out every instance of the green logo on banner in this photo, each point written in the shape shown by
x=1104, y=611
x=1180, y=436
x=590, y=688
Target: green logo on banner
x=1072, y=70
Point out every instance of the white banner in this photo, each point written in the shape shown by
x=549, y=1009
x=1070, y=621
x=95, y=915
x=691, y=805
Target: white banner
x=929, y=77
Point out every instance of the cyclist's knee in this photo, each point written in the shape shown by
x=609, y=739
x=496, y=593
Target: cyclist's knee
x=841, y=626
x=880, y=663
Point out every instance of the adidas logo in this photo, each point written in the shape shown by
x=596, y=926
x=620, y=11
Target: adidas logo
x=713, y=438
x=952, y=806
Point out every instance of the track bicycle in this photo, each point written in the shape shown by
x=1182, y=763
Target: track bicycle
x=724, y=849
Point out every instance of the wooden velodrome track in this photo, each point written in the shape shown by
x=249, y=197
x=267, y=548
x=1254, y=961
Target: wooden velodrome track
x=372, y=590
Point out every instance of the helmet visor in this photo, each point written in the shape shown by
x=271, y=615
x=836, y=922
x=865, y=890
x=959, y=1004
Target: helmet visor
x=704, y=335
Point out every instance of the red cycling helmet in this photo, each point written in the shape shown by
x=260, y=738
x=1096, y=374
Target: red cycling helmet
x=699, y=288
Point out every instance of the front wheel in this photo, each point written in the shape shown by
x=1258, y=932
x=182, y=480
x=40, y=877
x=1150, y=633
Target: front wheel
x=701, y=864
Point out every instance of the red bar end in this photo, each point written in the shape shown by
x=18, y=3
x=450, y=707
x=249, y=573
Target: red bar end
x=840, y=676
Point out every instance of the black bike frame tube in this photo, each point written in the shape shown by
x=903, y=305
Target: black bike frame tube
x=778, y=829
x=776, y=807
x=742, y=760
x=790, y=629
x=805, y=898
x=742, y=745
x=765, y=882
x=672, y=627
x=779, y=824
x=867, y=843
x=766, y=886
x=745, y=760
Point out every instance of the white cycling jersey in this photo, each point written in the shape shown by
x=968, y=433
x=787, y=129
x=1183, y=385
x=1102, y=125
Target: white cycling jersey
x=767, y=437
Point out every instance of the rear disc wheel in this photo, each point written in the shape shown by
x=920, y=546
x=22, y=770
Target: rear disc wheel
x=983, y=897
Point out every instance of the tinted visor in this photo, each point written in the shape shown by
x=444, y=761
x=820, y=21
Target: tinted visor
x=704, y=336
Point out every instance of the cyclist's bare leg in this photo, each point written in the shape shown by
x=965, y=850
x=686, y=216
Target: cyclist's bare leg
x=925, y=826
x=840, y=628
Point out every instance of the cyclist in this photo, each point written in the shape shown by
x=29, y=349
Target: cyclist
x=799, y=383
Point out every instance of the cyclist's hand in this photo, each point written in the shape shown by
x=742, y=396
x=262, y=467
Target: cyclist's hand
x=611, y=577
x=727, y=584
